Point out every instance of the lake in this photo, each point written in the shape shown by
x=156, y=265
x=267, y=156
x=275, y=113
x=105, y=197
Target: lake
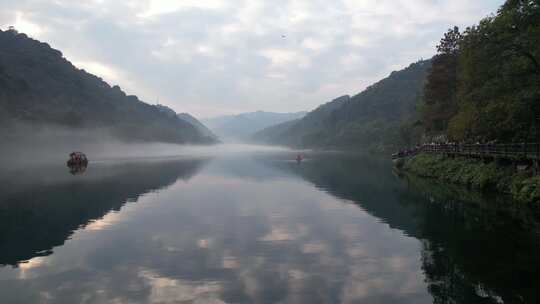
x=257, y=227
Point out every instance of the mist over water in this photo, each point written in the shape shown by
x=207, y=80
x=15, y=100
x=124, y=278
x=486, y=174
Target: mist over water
x=27, y=145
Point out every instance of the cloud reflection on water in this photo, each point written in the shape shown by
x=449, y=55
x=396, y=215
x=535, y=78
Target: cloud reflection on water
x=226, y=238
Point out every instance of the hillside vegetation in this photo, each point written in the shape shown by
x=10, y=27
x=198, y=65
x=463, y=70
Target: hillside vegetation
x=485, y=81
x=373, y=119
x=484, y=86
x=293, y=132
x=39, y=88
x=205, y=131
x=523, y=185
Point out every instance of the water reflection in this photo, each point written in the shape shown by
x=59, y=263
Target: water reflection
x=77, y=169
x=40, y=208
x=475, y=249
x=258, y=229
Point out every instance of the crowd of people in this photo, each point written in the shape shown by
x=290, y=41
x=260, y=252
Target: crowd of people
x=491, y=147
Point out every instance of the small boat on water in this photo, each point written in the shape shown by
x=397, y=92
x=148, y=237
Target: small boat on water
x=77, y=159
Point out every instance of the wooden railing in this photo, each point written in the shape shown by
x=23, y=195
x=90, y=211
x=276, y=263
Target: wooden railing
x=509, y=151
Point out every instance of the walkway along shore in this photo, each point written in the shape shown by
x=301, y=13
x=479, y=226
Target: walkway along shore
x=515, y=151
x=513, y=169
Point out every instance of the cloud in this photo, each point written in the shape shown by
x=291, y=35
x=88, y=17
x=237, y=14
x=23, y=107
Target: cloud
x=314, y=44
x=213, y=57
x=282, y=58
x=97, y=68
x=23, y=24
x=159, y=7
x=170, y=290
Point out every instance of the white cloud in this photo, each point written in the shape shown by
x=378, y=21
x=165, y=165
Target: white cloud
x=359, y=41
x=170, y=290
x=217, y=56
x=314, y=44
x=350, y=60
x=282, y=58
x=159, y=7
x=99, y=69
x=25, y=25
x=26, y=267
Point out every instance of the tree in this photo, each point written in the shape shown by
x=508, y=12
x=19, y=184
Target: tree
x=441, y=85
x=12, y=29
x=499, y=76
x=449, y=44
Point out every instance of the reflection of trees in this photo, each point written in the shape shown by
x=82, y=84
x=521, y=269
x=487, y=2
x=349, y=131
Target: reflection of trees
x=39, y=214
x=475, y=249
x=483, y=248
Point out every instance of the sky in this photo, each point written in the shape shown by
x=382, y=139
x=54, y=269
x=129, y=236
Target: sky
x=215, y=57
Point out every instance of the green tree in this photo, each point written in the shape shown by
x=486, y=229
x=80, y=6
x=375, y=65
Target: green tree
x=499, y=76
x=441, y=85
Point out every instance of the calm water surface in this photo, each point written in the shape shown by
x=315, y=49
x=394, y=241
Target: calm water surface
x=258, y=228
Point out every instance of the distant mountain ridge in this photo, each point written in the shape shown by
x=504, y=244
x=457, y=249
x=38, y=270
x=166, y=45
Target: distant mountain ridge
x=189, y=119
x=290, y=132
x=372, y=119
x=243, y=126
x=197, y=124
x=39, y=87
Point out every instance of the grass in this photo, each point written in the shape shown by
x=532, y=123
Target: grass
x=523, y=186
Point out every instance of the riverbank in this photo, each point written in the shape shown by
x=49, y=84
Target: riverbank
x=522, y=185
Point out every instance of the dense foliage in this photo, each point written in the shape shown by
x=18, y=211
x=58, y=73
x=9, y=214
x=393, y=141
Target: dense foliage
x=524, y=186
x=488, y=86
x=441, y=85
x=39, y=87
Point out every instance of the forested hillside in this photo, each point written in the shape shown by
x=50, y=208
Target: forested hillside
x=189, y=119
x=39, y=88
x=197, y=124
x=485, y=82
x=293, y=132
x=373, y=119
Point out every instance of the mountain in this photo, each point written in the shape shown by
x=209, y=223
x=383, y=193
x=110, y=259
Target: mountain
x=39, y=88
x=189, y=119
x=165, y=110
x=292, y=132
x=276, y=133
x=197, y=124
x=243, y=126
x=372, y=119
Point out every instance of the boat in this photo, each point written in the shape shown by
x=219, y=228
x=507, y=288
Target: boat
x=77, y=159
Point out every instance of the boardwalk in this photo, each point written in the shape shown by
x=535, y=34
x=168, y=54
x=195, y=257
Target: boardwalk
x=519, y=151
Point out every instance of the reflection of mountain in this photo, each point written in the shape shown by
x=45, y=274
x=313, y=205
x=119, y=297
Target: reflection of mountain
x=474, y=251
x=41, y=209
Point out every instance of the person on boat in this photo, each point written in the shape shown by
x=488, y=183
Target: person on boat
x=299, y=158
x=76, y=159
